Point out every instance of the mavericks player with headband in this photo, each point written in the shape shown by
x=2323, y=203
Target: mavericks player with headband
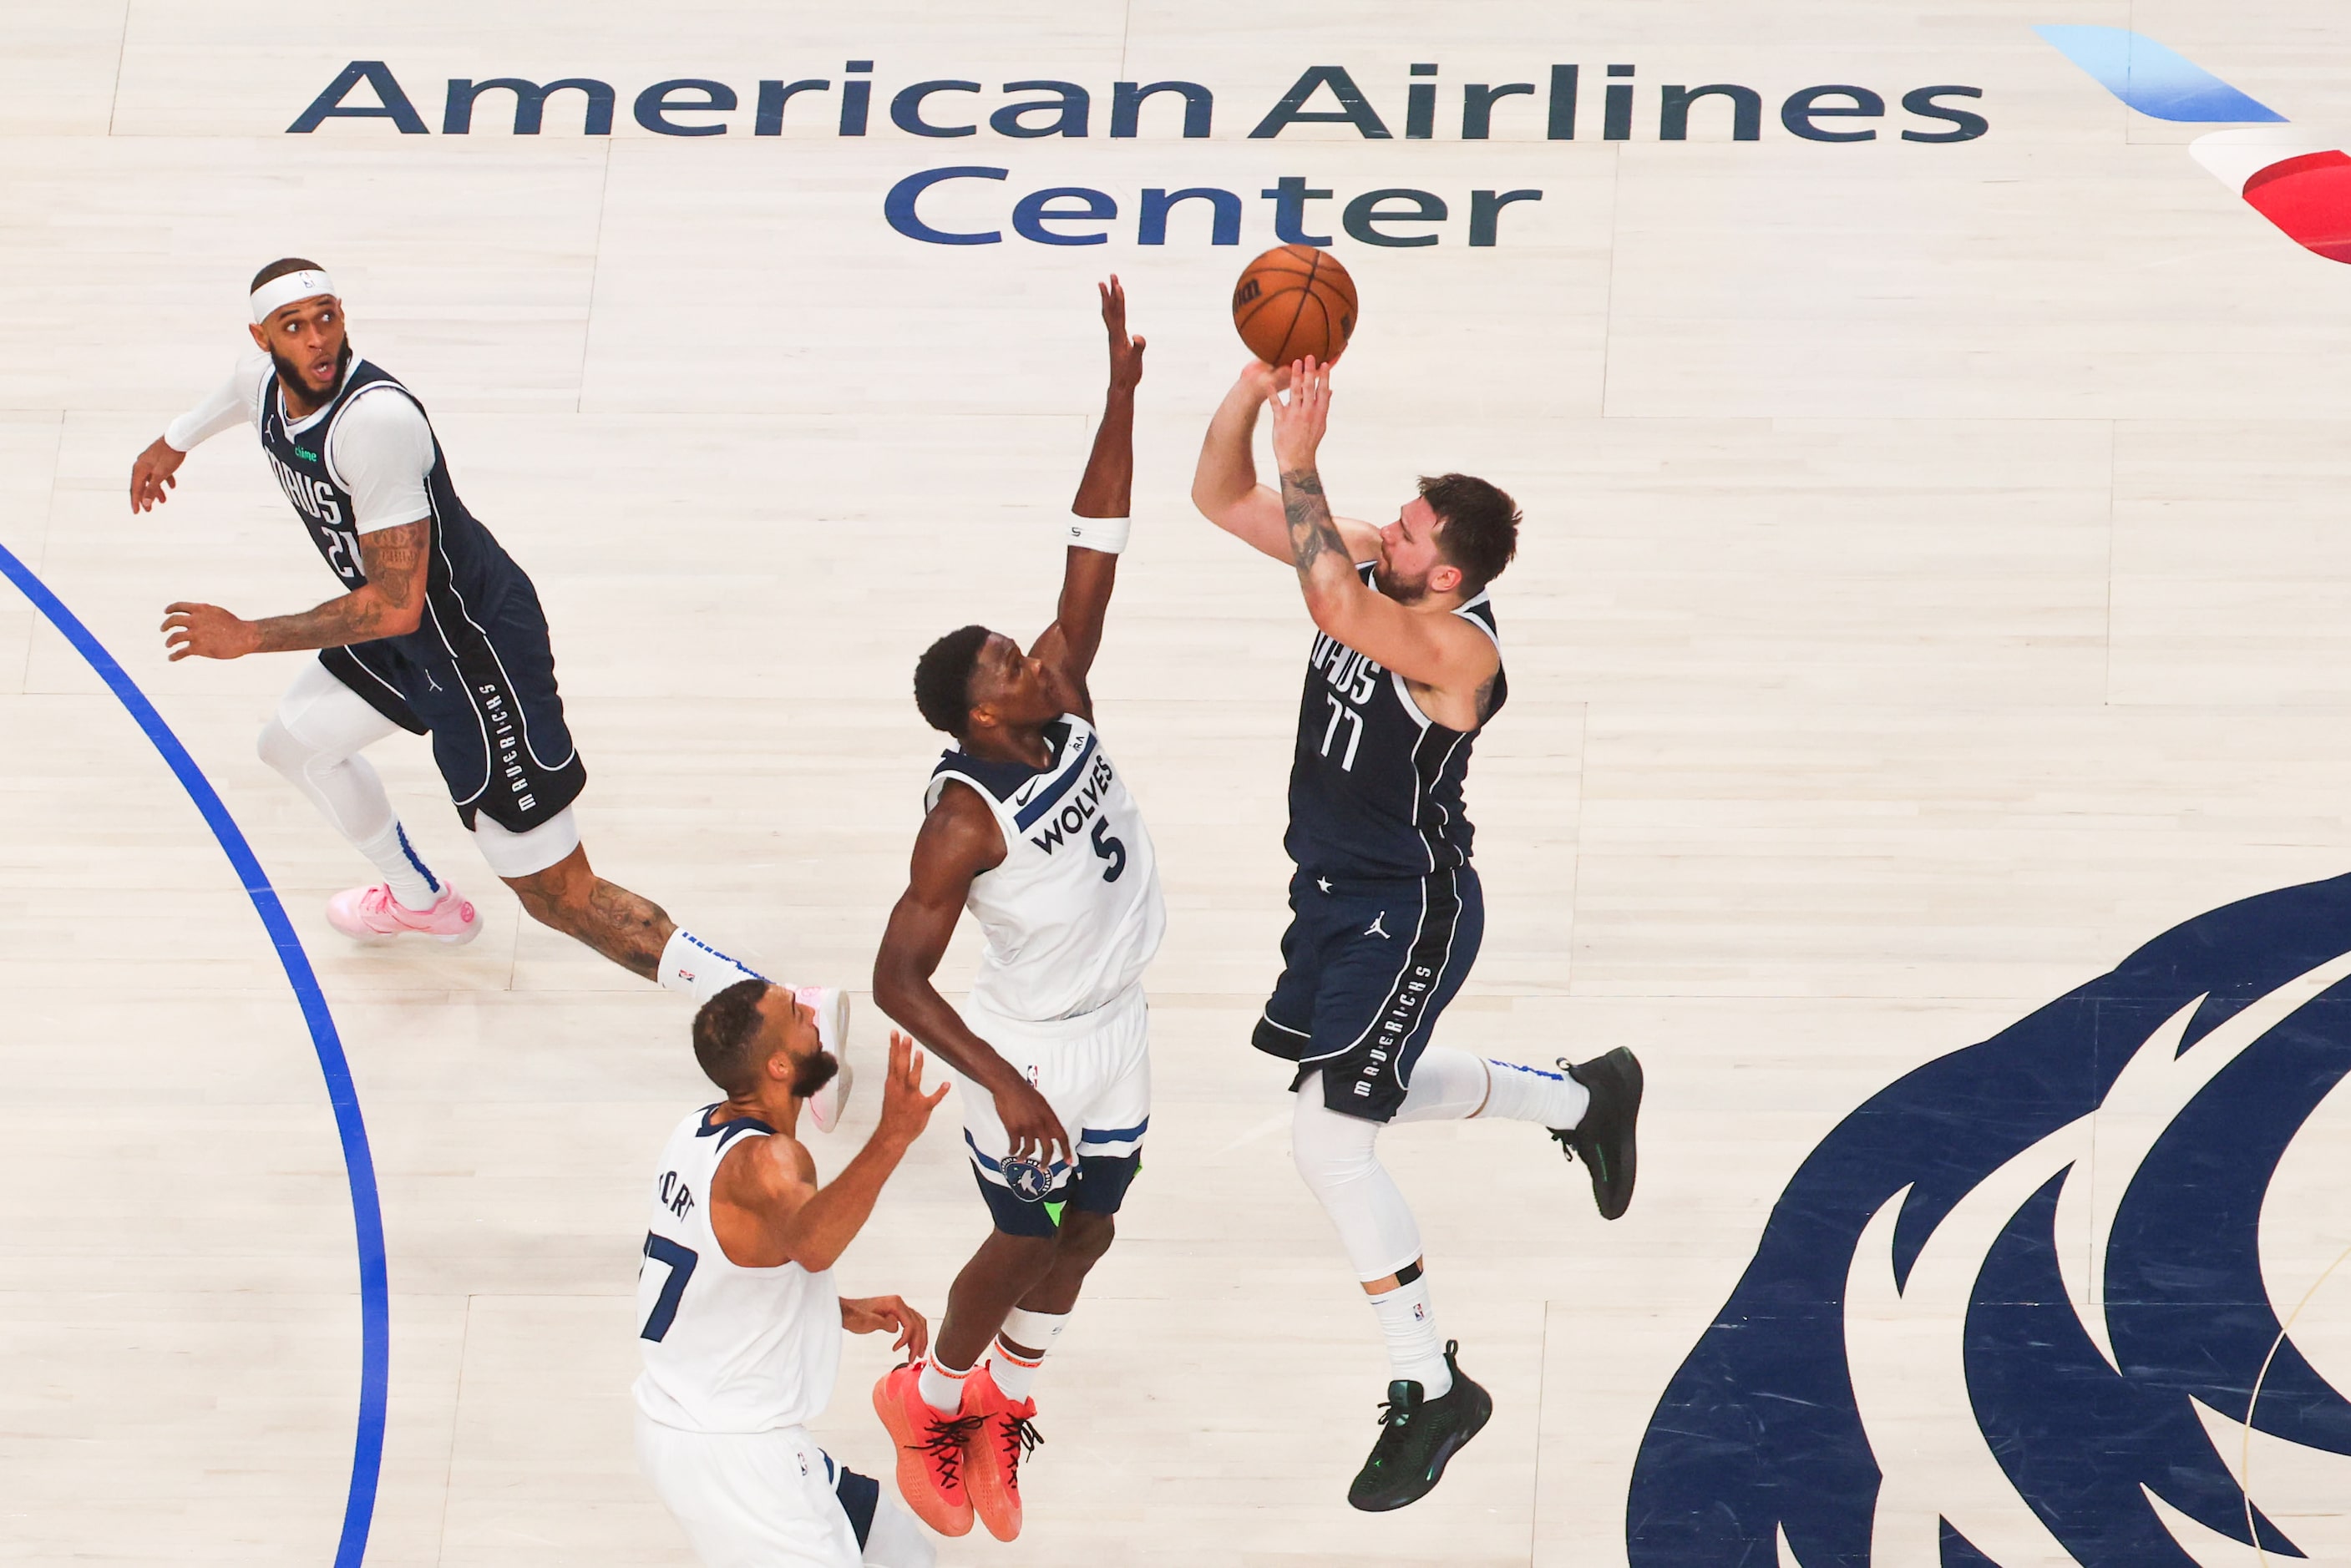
x=438, y=632
x=1032, y=828
x=1387, y=913
x=739, y=1320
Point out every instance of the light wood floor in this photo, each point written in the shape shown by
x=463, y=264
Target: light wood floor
x=1931, y=589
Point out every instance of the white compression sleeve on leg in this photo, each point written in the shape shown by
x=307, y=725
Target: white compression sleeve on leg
x=894, y=1540
x=314, y=740
x=512, y=853
x=1446, y=1087
x=1336, y=1158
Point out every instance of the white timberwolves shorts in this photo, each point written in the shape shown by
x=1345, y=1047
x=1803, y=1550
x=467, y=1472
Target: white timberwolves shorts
x=1094, y=1069
x=751, y=1500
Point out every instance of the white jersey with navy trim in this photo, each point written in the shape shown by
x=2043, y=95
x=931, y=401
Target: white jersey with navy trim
x=1073, y=914
x=726, y=1348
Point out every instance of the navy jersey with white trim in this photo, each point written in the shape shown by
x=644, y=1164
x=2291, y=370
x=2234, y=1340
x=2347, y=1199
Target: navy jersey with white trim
x=1375, y=783
x=467, y=573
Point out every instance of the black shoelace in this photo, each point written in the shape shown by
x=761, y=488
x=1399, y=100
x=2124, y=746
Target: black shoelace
x=1020, y=1438
x=946, y=1444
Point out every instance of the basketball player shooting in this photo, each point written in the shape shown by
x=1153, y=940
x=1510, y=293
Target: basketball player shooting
x=1387, y=912
x=437, y=632
x=1031, y=827
x=741, y=1321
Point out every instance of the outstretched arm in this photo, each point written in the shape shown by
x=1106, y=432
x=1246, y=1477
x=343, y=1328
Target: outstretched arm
x=390, y=603
x=766, y=1208
x=960, y=840
x=1089, y=573
x=1224, y=486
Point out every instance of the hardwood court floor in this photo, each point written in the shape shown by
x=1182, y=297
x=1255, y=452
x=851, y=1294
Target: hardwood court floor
x=1931, y=589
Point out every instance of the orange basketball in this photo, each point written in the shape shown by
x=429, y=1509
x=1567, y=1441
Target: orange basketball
x=1294, y=301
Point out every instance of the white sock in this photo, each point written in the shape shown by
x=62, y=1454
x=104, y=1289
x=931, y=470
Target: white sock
x=1415, y=1354
x=404, y=871
x=1014, y=1373
x=691, y=965
x=1523, y=1094
x=942, y=1387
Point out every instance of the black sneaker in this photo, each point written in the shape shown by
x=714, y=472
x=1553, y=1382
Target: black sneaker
x=1604, y=1138
x=1417, y=1435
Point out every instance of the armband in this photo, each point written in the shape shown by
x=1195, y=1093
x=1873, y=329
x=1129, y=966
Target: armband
x=1107, y=534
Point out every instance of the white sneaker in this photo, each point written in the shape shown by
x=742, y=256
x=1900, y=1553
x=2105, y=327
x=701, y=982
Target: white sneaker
x=830, y=1005
x=373, y=915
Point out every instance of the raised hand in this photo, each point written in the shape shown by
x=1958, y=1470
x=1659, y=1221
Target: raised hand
x=1300, y=419
x=905, y=1109
x=150, y=475
x=1126, y=352
x=206, y=631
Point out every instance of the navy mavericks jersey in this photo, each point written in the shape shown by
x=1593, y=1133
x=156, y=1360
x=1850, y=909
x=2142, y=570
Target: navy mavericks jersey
x=467, y=574
x=1375, y=784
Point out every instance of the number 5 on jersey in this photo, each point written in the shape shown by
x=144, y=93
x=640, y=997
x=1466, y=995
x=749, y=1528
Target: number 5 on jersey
x=1110, y=849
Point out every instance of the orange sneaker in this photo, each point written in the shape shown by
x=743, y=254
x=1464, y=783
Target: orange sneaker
x=1006, y=1433
x=931, y=1449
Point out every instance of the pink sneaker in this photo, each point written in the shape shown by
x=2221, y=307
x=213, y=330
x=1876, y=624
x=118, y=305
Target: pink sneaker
x=373, y=915
x=830, y=1006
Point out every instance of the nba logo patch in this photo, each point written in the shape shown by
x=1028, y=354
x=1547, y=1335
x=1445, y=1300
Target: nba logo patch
x=1028, y=1178
x=1420, y=1312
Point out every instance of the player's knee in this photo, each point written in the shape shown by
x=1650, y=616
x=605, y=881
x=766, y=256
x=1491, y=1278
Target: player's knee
x=276, y=746
x=1331, y=1151
x=1087, y=1236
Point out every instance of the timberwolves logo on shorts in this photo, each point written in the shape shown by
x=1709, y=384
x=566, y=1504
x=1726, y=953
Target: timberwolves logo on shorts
x=1029, y=1180
x=2080, y=1294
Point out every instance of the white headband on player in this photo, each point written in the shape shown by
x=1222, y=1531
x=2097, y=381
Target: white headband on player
x=280, y=292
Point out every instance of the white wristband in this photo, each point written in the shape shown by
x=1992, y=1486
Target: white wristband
x=1107, y=534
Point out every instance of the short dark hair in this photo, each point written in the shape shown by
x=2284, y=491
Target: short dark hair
x=943, y=678
x=1481, y=526
x=725, y=1029
x=280, y=268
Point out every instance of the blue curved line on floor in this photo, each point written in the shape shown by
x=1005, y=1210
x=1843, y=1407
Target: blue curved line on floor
x=358, y=1164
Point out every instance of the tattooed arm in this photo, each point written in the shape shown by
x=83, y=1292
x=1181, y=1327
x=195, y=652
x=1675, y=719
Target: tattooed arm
x=389, y=603
x=1441, y=655
x=1224, y=486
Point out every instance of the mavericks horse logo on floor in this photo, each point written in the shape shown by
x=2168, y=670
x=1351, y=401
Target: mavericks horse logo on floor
x=2015, y=1308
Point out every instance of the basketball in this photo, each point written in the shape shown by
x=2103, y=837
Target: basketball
x=1294, y=301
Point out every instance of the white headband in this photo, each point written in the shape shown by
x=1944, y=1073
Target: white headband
x=280, y=292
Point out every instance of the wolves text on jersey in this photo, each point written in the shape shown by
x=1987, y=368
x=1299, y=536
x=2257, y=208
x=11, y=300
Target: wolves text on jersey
x=673, y=1194
x=1084, y=803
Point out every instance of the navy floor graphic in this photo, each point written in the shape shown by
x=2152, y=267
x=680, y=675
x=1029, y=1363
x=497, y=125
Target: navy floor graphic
x=342, y=1096
x=1760, y=1434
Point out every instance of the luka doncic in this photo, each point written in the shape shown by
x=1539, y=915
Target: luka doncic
x=1387, y=913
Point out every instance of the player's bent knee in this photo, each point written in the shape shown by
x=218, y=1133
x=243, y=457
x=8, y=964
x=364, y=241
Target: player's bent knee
x=276, y=746
x=1087, y=1235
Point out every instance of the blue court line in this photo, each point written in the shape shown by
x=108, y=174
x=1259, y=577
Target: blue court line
x=359, y=1165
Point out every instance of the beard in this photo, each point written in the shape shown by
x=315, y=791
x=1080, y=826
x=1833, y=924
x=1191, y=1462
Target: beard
x=814, y=1073
x=1394, y=587
x=292, y=376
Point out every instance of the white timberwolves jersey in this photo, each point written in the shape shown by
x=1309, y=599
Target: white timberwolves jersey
x=726, y=1349
x=1073, y=913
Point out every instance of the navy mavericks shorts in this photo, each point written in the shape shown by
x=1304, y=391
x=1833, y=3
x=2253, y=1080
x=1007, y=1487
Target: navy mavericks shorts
x=484, y=690
x=1366, y=968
